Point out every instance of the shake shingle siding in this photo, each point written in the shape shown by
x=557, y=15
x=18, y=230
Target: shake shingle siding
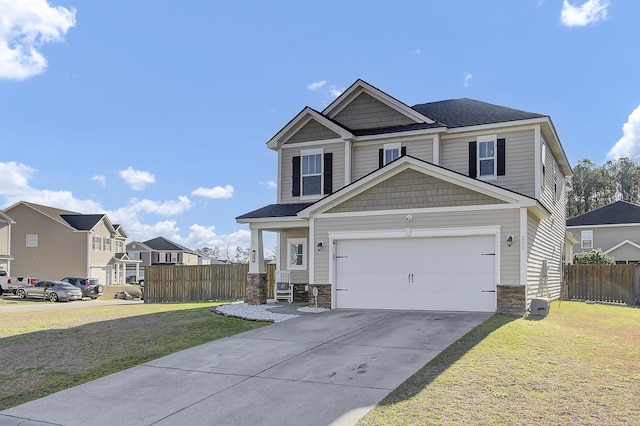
x=366, y=112
x=313, y=131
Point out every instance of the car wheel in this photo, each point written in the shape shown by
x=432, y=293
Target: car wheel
x=53, y=297
x=21, y=294
x=93, y=298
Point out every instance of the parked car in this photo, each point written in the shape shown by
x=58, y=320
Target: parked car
x=90, y=287
x=4, y=282
x=16, y=282
x=54, y=291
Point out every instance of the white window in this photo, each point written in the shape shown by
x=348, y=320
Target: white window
x=32, y=240
x=586, y=238
x=487, y=157
x=543, y=160
x=119, y=246
x=106, y=244
x=391, y=152
x=311, y=172
x=297, y=253
x=97, y=242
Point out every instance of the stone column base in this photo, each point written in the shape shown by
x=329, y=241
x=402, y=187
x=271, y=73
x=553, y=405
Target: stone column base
x=257, y=288
x=512, y=299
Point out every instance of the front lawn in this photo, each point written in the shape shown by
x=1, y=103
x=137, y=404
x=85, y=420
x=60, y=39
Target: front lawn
x=579, y=365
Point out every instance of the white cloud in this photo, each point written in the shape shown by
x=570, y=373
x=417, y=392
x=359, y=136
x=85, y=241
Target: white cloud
x=335, y=92
x=417, y=52
x=27, y=25
x=269, y=184
x=629, y=144
x=467, y=79
x=101, y=179
x=316, y=85
x=137, y=179
x=215, y=192
x=590, y=12
x=14, y=177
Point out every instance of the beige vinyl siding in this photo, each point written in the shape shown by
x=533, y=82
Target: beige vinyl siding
x=365, y=155
x=507, y=219
x=312, y=131
x=410, y=189
x=366, y=112
x=4, y=239
x=60, y=251
x=297, y=276
x=286, y=172
x=519, y=154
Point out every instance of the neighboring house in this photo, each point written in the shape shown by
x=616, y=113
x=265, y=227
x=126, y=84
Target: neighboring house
x=614, y=228
x=159, y=251
x=51, y=243
x=5, y=242
x=453, y=205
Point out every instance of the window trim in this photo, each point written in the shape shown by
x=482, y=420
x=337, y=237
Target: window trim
x=484, y=139
x=583, y=239
x=303, y=243
x=31, y=240
x=388, y=147
x=310, y=152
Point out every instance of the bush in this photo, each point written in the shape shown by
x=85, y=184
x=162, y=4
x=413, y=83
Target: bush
x=593, y=257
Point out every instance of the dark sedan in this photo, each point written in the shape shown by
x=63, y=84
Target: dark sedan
x=54, y=291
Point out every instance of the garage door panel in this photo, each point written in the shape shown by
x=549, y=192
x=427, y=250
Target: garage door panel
x=452, y=273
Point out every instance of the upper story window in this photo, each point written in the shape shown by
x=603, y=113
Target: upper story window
x=586, y=239
x=106, y=244
x=32, y=240
x=312, y=174
x=391, y=152
x=97, y=242
x=487, y=157
x=297, y=253
x=119, y=246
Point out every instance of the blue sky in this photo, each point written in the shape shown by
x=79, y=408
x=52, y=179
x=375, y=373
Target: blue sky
x=157, y=113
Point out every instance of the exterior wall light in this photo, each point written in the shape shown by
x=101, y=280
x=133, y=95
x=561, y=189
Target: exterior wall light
x=253, y=256
x=319, y=246
x=510, y=240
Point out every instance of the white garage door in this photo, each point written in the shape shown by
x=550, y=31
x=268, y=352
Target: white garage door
x=444, y=274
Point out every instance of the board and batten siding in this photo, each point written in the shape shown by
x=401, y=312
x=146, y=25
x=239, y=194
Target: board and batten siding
x=365, y=155
x=507, y=219
x=519, y=152
x=286, y=171
x=366, y=112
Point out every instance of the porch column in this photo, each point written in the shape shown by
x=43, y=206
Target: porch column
x=257, y=277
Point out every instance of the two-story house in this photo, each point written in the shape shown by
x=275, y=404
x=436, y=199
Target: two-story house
x=456, y=205
x=5, y=242
x=614, y=228
x=158, y=251
x=51, y=243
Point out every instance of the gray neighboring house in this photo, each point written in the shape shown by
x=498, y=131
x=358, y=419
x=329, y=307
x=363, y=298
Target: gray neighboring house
x=456, y=205
x=614, y=228
x=158, y=251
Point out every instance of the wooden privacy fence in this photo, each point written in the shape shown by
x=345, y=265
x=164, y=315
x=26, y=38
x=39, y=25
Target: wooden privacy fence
x=181, y=283
x=603, y=283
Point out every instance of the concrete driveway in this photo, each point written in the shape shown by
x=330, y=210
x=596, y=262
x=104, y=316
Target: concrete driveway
x=319, y=369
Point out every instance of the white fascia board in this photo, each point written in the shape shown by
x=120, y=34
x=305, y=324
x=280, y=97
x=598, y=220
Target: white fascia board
x=402, y=135
x=361, y=86
x=608, y=225
x=416, y=211
x=571, y=237
x=303, y=117
x=274, y=223
x=415, y=233
x=625, y=242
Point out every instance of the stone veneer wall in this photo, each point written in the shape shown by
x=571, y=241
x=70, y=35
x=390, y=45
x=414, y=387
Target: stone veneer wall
x=512, y=300
x=257, y=288
x=324, y=295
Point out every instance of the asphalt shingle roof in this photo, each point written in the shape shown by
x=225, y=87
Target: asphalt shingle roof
x=161, y=243
x=275, y=210
x=614, y=213
x=82, y=222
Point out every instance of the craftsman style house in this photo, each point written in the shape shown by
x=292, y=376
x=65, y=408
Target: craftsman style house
x=456, y=205
x=51, y=243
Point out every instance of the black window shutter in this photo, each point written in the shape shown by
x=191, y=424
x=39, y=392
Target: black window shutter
x=295, y=184
x=328, y=173
x=403, y=151
x=473, y=170
x=380, y=158
x=501, y=157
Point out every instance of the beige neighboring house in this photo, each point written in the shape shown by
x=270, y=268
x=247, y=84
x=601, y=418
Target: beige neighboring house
x=51, y=243
x=158, y=251
x=455, y=205
x=614, y=228
x=5, y=242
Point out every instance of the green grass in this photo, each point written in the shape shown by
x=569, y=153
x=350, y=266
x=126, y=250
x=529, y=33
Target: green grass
x=47, y=351
x=579, y=365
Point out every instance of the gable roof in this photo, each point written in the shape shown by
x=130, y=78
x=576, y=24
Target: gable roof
x=74, y=220
x=615, y=213
x=163, y=244
x=82, y=222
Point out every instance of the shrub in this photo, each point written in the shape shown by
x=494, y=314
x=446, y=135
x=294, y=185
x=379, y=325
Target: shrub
x=593, y=257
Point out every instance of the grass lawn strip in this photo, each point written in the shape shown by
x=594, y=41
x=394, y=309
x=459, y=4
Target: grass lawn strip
x=56, y=350
x=580, y=365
